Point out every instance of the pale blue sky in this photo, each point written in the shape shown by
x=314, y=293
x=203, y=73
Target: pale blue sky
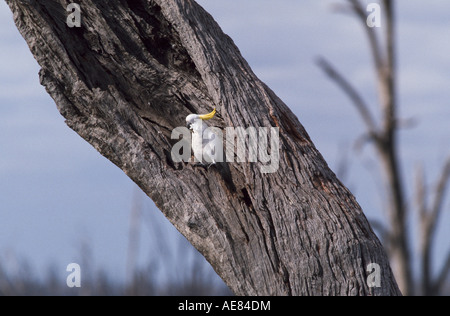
x=57, y=192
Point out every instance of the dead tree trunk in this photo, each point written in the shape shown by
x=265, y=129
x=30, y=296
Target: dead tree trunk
x=132, y=72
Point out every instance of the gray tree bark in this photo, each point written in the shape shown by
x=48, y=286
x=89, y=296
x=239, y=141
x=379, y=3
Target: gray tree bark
x=132, y=72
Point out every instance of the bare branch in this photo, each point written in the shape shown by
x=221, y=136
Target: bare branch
x=421, y=193
x=442, y=185
x=428, y=218
x=443, y=275
x=430, y=223
x=375, y=46
x=388, y=74
x=354, y=96
x=424, y=235
x=384, y=62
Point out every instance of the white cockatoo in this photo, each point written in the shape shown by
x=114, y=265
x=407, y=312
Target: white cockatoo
x=206, y=145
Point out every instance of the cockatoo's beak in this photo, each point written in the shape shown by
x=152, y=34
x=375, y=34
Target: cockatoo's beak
x=208, y=116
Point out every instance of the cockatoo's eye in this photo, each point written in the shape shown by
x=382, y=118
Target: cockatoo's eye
x=188, y=125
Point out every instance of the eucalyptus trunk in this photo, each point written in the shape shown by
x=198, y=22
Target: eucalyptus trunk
x=132, y=72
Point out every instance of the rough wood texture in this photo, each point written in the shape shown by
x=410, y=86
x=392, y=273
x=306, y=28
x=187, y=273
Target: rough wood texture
x=132, y=73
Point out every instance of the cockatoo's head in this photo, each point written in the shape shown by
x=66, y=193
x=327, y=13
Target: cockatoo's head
x=193, y=119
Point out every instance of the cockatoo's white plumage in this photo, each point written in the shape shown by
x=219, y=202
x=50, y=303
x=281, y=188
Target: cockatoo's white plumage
x=204, y=141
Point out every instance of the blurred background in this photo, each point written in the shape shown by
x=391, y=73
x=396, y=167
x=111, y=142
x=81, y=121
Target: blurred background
x=61, y=202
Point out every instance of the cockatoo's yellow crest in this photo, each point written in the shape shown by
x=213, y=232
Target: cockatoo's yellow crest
x=208, y=116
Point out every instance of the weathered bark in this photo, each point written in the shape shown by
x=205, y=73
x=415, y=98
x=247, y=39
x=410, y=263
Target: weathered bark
x=132, y=72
